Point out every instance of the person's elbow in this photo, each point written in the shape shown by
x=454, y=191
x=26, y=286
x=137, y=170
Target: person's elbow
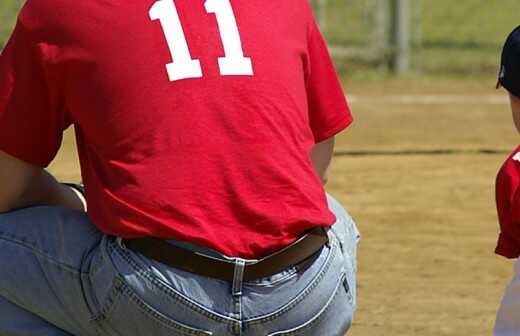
x=4, y=207
x=321, y=156
x=325, y=178
x=6, y=198
x=15, y=178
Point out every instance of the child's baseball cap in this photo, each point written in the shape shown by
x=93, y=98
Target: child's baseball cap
x=509, y=76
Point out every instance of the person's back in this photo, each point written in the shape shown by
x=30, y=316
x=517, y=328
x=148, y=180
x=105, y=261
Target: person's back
x=195, y=121
x=166, y=133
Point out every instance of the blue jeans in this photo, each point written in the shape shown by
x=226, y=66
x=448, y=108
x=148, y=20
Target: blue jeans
x=60, y=276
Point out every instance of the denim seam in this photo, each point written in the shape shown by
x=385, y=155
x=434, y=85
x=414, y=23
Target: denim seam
x=88, y=298
x=290, y=274
x=177, y=326
x=172, y=293
x=321, y=273
x=309, y=324
x=111, y=301
x=333, y=230
x=44, y=254
x=95, y=267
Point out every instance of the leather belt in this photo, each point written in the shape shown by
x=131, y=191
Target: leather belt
x=186, y=260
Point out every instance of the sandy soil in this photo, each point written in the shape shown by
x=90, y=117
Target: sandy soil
x=426, y=259
x=429, y=225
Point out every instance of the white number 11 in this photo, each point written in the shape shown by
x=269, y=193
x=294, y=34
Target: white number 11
x=183, y=65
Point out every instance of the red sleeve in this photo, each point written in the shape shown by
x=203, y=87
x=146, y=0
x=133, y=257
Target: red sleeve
x=508, y=207
x=328, y=110
x=31, y=116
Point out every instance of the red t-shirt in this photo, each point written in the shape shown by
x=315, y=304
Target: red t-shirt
x=194, y=119
x=508, y=206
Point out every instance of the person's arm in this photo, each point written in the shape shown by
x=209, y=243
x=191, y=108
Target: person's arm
x=23, y=185
x=328, y=110
x=32, y=113
x=321, y=156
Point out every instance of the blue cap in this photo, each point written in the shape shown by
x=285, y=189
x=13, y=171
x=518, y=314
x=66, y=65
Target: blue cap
x=509, y=76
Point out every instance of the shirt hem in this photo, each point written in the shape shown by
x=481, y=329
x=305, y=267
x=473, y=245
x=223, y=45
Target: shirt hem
x=507, y=247
x=17, y=154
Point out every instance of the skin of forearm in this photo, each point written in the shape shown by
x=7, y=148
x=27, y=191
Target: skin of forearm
x=44, y=189
x=321, y=157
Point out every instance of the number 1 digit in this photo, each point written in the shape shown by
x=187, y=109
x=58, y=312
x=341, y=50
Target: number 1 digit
x=183, y=66
x=234, y=62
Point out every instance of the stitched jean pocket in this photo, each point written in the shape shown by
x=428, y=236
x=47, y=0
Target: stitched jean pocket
x=120, y=310
x=129, y=315
x=332, y=319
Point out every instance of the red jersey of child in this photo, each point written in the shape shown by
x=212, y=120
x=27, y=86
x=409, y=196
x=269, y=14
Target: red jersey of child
x=508, y=206
x=194, y=118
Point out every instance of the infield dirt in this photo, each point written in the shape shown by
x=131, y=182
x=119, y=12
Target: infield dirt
x=426, y=262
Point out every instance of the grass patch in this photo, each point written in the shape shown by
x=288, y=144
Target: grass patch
x=8, y=12
x=462, y=38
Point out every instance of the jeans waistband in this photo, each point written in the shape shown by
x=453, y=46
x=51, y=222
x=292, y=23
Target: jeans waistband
x=212, y=253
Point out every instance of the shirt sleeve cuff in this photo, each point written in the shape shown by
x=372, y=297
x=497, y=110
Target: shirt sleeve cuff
x=507, y=247
x=16, y=152
x=338, y=127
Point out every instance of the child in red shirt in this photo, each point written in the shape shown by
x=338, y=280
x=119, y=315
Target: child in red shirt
x=508, y=193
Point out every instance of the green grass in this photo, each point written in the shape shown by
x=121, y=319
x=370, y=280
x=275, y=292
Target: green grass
x=8, y=12
x=459, y=37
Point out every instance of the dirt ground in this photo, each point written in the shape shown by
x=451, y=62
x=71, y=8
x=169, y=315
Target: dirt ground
x=428, y=221
x=426, y=259
x=426, y=262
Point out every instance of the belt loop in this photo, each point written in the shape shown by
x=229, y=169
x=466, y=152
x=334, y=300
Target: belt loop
x=119, y=242
x=238, y=277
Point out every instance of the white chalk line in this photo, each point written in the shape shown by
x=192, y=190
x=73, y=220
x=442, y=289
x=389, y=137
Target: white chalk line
x=430, y=99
